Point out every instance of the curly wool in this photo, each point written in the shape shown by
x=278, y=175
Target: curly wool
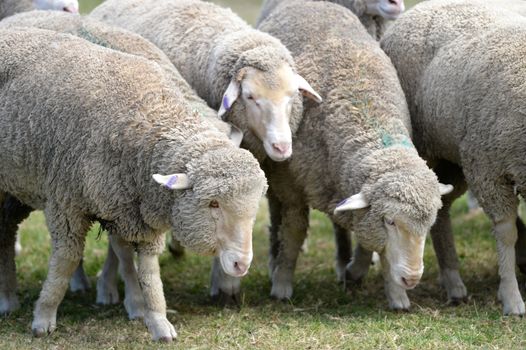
x=114, y=38
x=213, y=46
x=102, y=166
x=11, y=7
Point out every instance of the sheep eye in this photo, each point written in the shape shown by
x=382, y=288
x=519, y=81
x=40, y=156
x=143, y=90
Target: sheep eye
x=214, y=204
x=250, y=97
x=389, y=222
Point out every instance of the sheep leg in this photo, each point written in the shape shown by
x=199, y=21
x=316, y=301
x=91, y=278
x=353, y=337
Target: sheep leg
x=224, y=288
x=442, y=234
x=68, y=238
x=133, y=296
x=107, y=291
x=292, y=233
x=79, y=282
x=444, y=245
x=343, y=252
x=12, y=212
x=152, y=290
x=506, y=234
x=520, y=246
x=358, y=267
x=274, y=206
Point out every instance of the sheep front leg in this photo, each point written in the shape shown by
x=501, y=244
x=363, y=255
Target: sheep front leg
x=274, y=206
x=444, y=246
x=224, y=288
x=12, y=212
x=343, y=252
x=152, y=290
x=67, y=237
x=292, y=233
x=506, y=235
x=358, y=267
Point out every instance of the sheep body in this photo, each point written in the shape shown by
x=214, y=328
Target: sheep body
x=97, y=162
x=458, y=62
x=356, y=141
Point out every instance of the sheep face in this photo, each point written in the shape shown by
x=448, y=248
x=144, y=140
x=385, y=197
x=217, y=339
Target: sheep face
x=389, y=9
x=393, y=216
x=57, y=5
x=265, y=99
x=215, y=211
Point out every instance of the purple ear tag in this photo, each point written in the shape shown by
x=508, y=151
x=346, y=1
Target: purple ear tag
x=226, y=103
x=171, y=181
x=342, y=202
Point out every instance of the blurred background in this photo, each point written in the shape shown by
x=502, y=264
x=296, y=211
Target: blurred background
x=248, y=9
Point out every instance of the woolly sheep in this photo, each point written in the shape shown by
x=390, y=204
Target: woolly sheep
x=374, y=14
x=11, y=7
x=356, y=142
x=124, y=41
x=224, y=60
x=458, y=61
x=96, y=163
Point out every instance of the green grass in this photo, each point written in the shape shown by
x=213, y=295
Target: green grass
x=320, y=316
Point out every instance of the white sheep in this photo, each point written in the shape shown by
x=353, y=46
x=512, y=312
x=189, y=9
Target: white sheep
x=354, y=159
x=461, y=64
x=83, y=144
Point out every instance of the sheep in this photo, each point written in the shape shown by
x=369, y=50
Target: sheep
x=356, y=142
x=458, y=62
x=225, y=61
x=124, y=41
x=11, y=7
x=222, y=58
x=94, y=143
x=374, y=14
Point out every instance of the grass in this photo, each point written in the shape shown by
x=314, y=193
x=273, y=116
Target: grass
x=320, y=316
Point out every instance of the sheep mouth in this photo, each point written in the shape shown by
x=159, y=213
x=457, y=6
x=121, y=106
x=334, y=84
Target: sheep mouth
x=390, y=12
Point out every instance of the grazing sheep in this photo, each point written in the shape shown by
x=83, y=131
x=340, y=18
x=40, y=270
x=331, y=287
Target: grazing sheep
x=124, y=41
x=374, y=14
x=224, y=60
x=357, y=142
x=11, y=7
x=461, y=64
x=83, y=144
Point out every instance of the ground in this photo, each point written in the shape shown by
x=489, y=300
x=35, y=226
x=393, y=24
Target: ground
x=320, y=316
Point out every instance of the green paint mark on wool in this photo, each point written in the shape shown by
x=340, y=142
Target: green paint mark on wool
x=389, y=141
x=87, y=35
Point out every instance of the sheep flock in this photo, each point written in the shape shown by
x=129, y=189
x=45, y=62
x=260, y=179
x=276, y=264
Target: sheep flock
x=179, y=117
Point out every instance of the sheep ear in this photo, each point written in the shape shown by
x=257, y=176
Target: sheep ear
x=358, y=201
x=236, y=135
x=229, y=97
x=173, y=181
x=307, y=90
x=445, y=189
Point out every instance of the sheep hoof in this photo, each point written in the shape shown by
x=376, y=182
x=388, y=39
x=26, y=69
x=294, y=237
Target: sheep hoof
x=225, y=299
x=107, y=293
x=454, y=301
x=8, y=304
x=350, y=284
x=160, y=328
x=41, y=329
